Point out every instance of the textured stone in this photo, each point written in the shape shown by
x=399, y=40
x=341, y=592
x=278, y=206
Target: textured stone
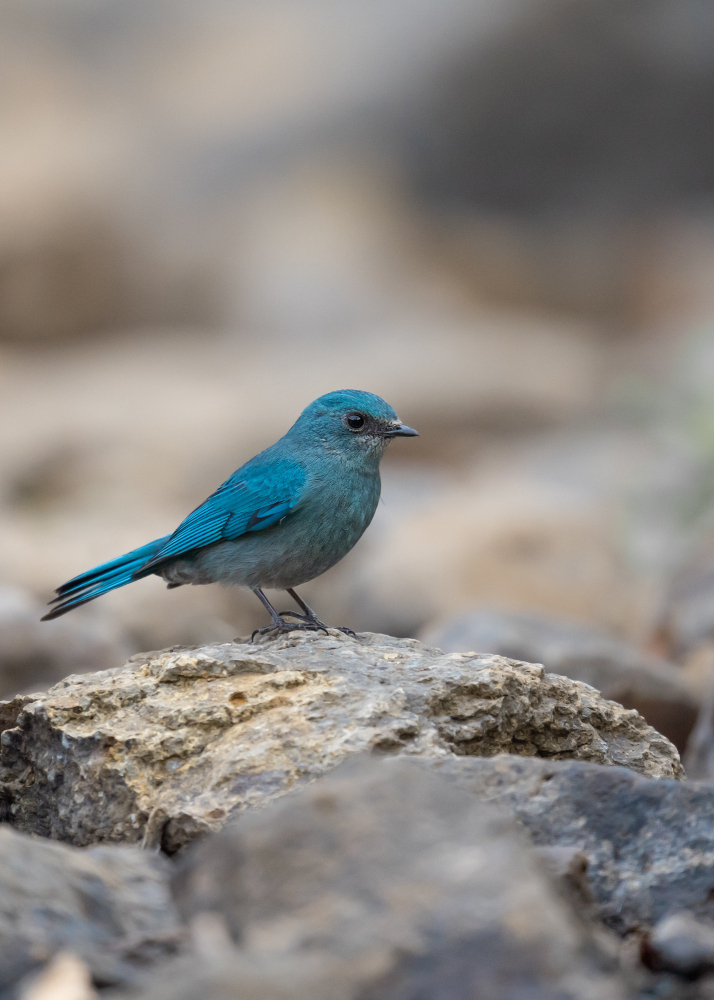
x=647, y=846
x=110, y=905
x=380, y=881
x=171, y=744
x=617, y=669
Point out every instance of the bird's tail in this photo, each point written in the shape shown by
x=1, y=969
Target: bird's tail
x=101, y=579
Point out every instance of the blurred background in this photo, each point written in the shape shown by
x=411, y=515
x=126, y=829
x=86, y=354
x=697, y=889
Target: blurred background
x=497, y=214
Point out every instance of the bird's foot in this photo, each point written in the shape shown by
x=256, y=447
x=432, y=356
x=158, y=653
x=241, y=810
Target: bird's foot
x=281, y=627
x=314, y=621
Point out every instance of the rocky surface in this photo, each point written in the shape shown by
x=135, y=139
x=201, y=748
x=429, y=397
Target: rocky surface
x=110, y=905
x=173, y=743
x=646, y=847
x=380, y=881
x=617, y=669
x=389, y=878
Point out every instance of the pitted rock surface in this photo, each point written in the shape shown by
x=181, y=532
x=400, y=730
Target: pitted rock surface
x=173, y=743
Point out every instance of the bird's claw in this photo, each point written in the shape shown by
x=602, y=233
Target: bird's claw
x=282, y=627
x=318, y=623
x=308, y=619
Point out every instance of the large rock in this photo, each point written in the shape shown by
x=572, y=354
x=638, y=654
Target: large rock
x=173, y=743
x=111, y=905
x=647, y=846
x=617, y=669
x=381, y=881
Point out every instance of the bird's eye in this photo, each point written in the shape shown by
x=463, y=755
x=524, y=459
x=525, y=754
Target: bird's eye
x=355, y=421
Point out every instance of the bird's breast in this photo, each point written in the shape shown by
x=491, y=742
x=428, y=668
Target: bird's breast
x=323, y=527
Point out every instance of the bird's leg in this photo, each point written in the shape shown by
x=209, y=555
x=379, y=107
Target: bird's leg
x=309, y=615
x=278, y=623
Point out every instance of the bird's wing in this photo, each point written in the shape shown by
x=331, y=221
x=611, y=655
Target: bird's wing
x=252, y=499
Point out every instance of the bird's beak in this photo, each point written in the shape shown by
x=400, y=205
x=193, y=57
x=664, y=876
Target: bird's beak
x=400, y=430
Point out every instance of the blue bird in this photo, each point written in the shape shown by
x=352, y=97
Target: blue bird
x=282, y=519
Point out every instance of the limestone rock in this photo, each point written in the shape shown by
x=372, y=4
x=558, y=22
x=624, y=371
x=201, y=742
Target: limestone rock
x=175, y=742
x=380, y=881
x=648, y=846
x=109, y=905
x=617, y=669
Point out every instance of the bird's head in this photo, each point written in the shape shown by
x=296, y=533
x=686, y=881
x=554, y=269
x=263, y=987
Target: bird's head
x=353, y=422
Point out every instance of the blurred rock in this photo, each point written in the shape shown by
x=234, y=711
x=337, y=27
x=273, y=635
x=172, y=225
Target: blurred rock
x=381, y=881
x=699, y=752
x=235, y=99
x=535, y=526
x=492, y=139
x=33, y=656
x=326, y=249
x=65, y=978
x=687, y=621
x=649, y=845
x=173, y=743
x=118, y=209
x=111, y=906
x=60, y=247
x=59, y=282
x=619, y=671
x=680, y=943
x=552, y=209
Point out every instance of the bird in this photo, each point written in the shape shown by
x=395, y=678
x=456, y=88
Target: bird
x=282, y=519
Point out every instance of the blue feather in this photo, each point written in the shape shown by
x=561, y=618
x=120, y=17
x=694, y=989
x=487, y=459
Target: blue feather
x=317, y=488
x=254, y=498
x=102, y=579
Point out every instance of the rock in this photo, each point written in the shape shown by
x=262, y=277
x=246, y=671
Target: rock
x=34, y=656
x=65, y=978
x=680, y=943
x=110, y=905
x=379, y=881
x=488, y=148
x=534, y=528
x=173, y=743
x=618, y=670
x=688, y=620
x=648, y=845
